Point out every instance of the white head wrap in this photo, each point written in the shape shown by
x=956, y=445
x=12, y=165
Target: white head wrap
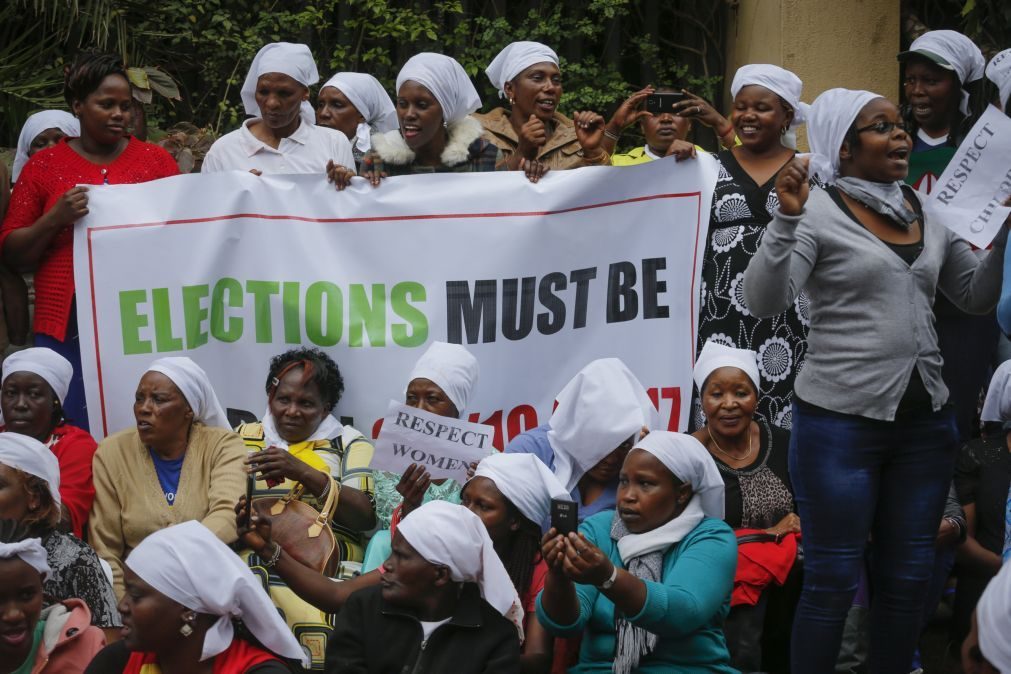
x=450, y=535
x=190, y=565
x=957, y=51
x=997, y=406
x=829, y=118
x=779, y=81
x=453, y=368
x=193, y=383
x=525, y=481
x=993, y=620
x=46, y=363
x=36, y=124
x=998, y=71
x=31, y=552
x=715, y=355
x=372, y=102
x=446, y=80
x=293, y=60
x=31, y=456
x=601, y=407
x=514, y=59
x=690, y=462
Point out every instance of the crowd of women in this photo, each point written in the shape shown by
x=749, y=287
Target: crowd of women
x=832, y=472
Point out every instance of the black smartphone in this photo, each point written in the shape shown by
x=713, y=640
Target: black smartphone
x=663, y=102
x=564, y=516
x=250, y=484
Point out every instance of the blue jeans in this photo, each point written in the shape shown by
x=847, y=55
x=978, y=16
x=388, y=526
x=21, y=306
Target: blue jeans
x=854, y=478
x=75, y=407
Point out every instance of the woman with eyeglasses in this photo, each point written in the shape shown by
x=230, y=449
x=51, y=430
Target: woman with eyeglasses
x=873, y=440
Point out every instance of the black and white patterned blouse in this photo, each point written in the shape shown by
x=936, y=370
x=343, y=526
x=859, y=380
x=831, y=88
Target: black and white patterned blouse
x=740, y=212
x=758, y=496
x=77, y=574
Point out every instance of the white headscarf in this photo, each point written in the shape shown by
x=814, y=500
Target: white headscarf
x=328, y=429
x=779, y=81
x=36, y=124
x=190, y=565
x=446, y=80
x=193, y=383
x=997, y=406
x=993, y=620
x=293, y=60
x=958, y=53
x=514, y=59
x=998, y=71
x=31, y=552
x=829, y=118
x=31, y=456
x=372, y=102
x=450, y=535
x=525, y=481
x=453, y=368
x=715, y=355
x=601, y=407
x=46, y=363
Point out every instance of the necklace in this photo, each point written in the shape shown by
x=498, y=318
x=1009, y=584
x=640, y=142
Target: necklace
x=728, y=454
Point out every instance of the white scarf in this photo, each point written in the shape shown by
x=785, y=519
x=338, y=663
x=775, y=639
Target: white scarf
x=779, y=81
x=293, y=60
x=830, y=117
x=36, y=124
x=188, y=564
x=959, y=52
x=993, y=620
x=328, y=429
x=195, y=385
x=514, y=59
x=452, y=368
x=46, y=363
x=29, y=551
x=446, y=80
x=31, y=456
x=370, y=100
x=715, y=355
x=526, y=481
x=998, y=71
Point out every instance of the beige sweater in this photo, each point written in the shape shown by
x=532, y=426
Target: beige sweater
x=130, y=504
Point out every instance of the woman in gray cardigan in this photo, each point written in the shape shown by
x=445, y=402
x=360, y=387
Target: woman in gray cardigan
x=873, y=439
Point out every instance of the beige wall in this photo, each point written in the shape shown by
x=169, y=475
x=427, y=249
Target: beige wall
x=828, y=43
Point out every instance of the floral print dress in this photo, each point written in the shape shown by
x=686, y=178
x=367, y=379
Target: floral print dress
x=741, y=209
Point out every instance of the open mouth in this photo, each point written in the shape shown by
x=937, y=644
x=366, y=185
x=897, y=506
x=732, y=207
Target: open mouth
x=900, y=154
x=748, y=129
x=547, y=104
x=411, y=130
x=627, y=514
x=922, y=110
x=14, y=638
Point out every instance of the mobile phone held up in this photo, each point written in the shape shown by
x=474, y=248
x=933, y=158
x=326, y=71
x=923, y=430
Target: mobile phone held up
x=663, y=102
x=250, y=484
x=564, y=516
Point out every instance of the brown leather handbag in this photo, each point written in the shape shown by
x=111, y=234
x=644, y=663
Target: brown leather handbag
x=301, y=530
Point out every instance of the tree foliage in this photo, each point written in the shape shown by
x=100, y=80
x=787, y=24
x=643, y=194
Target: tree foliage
x=608, y=48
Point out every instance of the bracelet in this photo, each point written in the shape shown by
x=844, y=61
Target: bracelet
x=609, y=583
x=274, y=557
x=613, y=136
x=326, y=490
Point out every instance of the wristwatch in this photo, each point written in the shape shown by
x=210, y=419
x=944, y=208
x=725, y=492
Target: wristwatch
x=609, y=583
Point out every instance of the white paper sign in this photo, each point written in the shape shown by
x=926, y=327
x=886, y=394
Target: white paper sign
x=968, y=196
x=442, y=445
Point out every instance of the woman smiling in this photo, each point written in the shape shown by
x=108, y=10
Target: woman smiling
x=647, y=585
x=181, y=462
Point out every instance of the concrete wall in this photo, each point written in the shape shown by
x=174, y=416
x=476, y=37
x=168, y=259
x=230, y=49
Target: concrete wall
x=828, y=43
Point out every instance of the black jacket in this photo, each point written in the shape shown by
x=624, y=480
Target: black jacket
x=371, y=636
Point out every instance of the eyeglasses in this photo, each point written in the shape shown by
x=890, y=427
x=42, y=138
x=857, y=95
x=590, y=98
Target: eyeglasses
x=885, y=127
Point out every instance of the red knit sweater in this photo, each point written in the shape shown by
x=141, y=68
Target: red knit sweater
x=44, y=179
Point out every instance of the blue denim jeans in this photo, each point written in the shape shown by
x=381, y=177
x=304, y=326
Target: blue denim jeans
x=856, y=478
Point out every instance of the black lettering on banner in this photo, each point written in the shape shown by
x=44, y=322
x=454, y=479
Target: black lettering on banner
x=652, y=288
x=582, y=278
x=402, y=418
x=400, y=450
x=471, y=314
x=518, y=322
x=622, y=300
x=550, y=322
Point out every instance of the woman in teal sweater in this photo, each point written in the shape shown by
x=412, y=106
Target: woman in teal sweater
x=648, y=586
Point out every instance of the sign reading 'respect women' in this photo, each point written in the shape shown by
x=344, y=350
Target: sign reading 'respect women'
x=444, y=446
x=969, y=196
x=536, y=280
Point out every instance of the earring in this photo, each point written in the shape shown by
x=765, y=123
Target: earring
x=512, y=101
x=782, y=132
x=186, y=630
x=445, y=125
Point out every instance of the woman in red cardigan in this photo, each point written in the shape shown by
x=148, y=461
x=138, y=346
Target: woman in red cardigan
x=37, y=233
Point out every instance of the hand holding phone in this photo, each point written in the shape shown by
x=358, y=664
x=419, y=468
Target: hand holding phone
x=663, y=102
x=564, y=516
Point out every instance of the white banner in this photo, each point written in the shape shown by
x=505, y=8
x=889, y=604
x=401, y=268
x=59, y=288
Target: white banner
x=445, y=447
x=536, y=280
x=969, y=196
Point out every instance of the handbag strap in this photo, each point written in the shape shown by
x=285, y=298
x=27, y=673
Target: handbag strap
x=326, y=513
x=294, y=494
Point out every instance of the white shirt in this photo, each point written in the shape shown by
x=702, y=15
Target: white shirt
x=307, y=150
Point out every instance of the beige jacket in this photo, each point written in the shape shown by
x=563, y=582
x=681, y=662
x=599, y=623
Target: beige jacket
x=130, y=504
x=562, y=151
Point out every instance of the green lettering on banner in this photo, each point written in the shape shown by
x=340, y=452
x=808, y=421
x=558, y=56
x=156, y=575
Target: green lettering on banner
x=163, y=338
x=318, y=332
x=415, y=331
x=261, y=292
x=233, y=331
x=131, y=321
x=195, y=315
x=368, y=315
x=291, y=303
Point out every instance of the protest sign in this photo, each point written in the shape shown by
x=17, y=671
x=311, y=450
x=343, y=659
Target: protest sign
x=444, y=446
x=968, y=198
x=536, y=280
